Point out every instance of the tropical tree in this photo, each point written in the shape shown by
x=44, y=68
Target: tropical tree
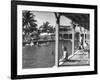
x=46, y=27
x=29, y=25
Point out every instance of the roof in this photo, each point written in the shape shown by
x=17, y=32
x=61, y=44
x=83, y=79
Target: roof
x=79, y=18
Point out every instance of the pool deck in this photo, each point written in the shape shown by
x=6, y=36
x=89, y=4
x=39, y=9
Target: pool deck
x=80, y=58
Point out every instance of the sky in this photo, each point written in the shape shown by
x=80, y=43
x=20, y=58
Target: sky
x=42, y=17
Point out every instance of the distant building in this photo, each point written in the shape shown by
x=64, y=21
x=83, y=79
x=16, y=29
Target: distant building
x=65, y=32
x=73, y=34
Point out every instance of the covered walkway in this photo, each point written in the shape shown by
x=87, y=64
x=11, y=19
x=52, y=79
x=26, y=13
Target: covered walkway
x=80, y=58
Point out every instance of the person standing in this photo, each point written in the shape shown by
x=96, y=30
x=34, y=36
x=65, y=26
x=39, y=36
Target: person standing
x=81, y=42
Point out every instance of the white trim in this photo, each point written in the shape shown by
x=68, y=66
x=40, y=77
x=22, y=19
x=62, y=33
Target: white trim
x=54, y=69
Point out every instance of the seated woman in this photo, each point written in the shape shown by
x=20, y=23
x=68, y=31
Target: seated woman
x=65, y=54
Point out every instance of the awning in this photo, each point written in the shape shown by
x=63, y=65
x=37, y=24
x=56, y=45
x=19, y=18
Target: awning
x=79, y=18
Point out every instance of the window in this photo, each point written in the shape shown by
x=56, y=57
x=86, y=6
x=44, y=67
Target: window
x=67, y=36
x=70, y=36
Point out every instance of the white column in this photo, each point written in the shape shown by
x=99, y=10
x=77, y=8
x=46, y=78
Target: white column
x=84, y=37
x=57, y=16
x=56, y=45
x=72, y=40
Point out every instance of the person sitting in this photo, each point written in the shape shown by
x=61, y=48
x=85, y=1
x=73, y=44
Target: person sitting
x=65, y=54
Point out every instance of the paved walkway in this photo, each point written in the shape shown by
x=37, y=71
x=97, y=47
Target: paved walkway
x=80, y=58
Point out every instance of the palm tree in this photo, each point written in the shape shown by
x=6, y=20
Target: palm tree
x=46, y=27
x=29, y=24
